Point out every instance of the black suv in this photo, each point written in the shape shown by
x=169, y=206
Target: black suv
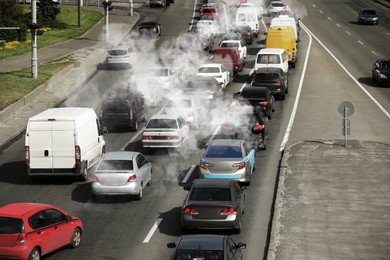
x=149, y=29
x=273, y=78
x=257, y=96
x=381, y=71
x=123, y=110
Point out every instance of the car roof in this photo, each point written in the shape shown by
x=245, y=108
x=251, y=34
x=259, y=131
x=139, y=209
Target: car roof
x=201, y=242
x=21, y=209
x=212, y=183
x=119, y=155
x=165, y=116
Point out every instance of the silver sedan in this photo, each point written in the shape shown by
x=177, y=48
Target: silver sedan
x=122, y=173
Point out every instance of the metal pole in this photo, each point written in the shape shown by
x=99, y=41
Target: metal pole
x=345, y=126
x=226, y=18
x=34, y=55
x=131, y=7
x=78, y=13
x=107, y=32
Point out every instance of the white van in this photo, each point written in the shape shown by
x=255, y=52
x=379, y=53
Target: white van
x=285, y=20
x=64, y=141
x=250, y=17
x=271, y=57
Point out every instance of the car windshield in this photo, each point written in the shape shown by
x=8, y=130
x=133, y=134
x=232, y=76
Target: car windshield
x=268, y=59
x=208, y=70
x=219, y=151
x=162, y=123
x=369, y=12
x=198, y=254
x=11, y=225
x=210, y=194
x=117, y=52
x=112, y=165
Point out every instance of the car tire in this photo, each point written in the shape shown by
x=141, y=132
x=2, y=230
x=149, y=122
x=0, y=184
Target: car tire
x=377, y=22
x=140, y=193
x=84, y=171
x=135, y=127
x=283, y=97
x=35, y=254
x=76, y=238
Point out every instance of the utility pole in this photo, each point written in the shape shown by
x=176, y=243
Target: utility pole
x=107, y=5
x=34, y=55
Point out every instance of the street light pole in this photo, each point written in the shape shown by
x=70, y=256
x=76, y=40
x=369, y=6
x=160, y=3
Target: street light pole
x=107, y=31
x=34, y=55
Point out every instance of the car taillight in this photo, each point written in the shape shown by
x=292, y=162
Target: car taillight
x=206, y=165
x=258, y=127
x=210, y=92
x=173, y=137
x=132, y=178
x=109, y=57
x=146, y=137
x=77, y=154
x=154, y=29
x=131, y=113
x=240, y=165
x=22, y=238
x=248, y=34
x=27, y=154
x=228, y=211
x=236, y=67
x=189, y=210
x=101, y=111
x=263, y=103
x=94, y=178
x=226, y=127
x=126, y=56
x=205, y=44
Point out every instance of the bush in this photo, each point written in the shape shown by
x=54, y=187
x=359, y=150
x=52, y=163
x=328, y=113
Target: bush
x=12, y=35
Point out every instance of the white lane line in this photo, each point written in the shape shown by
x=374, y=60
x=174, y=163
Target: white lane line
x=193, y=14
x=373, y=52
x=139, y=132
x=314, y=6
x=330, y=19
x=338, y=25
x=265, y=26
x=350, y=75
x=152, y=230
x=295, y=107
x=321, y=12
x=348, y=32
x=388, y=34
x=189, y=173
x=361, y=42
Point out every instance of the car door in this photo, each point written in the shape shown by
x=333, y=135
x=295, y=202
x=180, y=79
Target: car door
x=62, y=231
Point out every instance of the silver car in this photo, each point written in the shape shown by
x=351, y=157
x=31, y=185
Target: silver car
x=122, y=173
x=120, y=55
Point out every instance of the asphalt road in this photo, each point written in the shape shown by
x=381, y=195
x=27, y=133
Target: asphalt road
x=118, y=228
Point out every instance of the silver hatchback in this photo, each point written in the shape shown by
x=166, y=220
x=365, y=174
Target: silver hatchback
x=122, y=173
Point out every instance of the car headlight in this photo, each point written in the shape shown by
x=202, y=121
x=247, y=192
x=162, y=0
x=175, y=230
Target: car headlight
x=375, y=18
x=383, y=76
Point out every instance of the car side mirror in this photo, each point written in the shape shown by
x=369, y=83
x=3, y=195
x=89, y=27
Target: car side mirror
x=68, y=218
x=171, y=245
x=241, y=245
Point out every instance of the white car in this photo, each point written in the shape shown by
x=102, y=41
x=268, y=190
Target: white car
x=275, y=7
x=120, y=55
x=165, y=131
x=215, y=70
x=235, y=44
x=188, y=107
x=208, y=27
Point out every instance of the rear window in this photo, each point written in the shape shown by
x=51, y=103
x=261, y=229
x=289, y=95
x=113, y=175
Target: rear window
x=216, y=151
x=111, y=165
x=277, y=4
x=162, y=123
x=266, y=76
x=198, y=254
x=117, y=52
x=208, y=70
x=268, y=59
x=230, y=44
x=11, y=225
x=210, y=194
x=115, y=106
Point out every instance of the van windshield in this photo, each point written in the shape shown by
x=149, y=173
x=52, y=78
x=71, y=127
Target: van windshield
x=268, y=59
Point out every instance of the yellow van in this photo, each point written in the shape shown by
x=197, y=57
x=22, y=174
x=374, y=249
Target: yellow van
x=283, y=37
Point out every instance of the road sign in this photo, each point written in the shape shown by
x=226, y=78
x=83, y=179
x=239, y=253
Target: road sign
x=346, y=109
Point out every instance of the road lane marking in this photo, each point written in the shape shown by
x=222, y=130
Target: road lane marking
x=189, y=173
x=314, y=6
x=348, y=32
x=388, y=34
x=152, y=230
x=373, y=52
x=349, y=74
x=295, y=107
x=330, y=19
x=338, y=25
x=321, y=12
x=361, y=42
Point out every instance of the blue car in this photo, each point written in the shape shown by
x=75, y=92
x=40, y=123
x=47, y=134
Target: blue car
x=228, y=159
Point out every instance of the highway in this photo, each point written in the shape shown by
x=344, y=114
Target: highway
x=335, y=59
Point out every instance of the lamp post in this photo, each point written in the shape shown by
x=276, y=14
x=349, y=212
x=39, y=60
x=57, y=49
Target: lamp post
x=106, y=5
x=34, y=55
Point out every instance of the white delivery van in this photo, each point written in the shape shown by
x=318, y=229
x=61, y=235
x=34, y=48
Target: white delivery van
x=250, y=17
x=271, y=57
x=285, y=20
x=64, y=141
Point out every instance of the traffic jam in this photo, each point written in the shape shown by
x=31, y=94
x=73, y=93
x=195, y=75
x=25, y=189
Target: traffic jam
x=187, y=83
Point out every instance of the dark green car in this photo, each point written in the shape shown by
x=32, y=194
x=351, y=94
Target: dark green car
x=368, y=16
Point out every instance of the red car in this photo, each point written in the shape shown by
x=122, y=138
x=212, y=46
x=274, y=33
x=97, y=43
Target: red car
x=230, y=58
x=209, y=11
x=30, y=230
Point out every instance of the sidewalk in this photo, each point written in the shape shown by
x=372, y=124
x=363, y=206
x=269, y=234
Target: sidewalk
x=89, y=49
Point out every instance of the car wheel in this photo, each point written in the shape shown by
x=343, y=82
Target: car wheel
x=76, y=238
x=145, y=117
x=140, y=193
x=35, y=254
x=135, y=127
x=283, y=97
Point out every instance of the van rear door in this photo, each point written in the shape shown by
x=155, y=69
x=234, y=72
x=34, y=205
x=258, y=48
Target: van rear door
x=63, y=140
x=40, y=142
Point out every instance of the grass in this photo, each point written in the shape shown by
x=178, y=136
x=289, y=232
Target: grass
x=14, y=85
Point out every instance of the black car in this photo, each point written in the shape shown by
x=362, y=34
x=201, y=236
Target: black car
x=149, y=29
x=368, y=16
x=200, y=39
x=213, y=204
x=273, y=78
x=206, y=247
x=246, y=122
x=125, y=109
x=246, y=32
x=381, y=71
x=257, y=96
